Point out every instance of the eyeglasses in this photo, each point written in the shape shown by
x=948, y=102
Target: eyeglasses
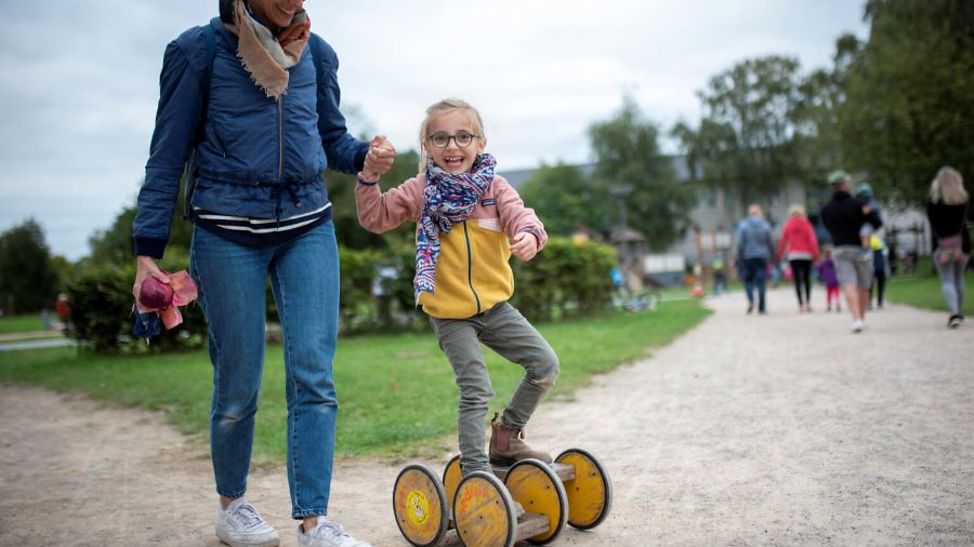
x=442, y=140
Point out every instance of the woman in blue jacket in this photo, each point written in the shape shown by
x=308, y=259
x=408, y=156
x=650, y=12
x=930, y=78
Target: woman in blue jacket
x=255, y=95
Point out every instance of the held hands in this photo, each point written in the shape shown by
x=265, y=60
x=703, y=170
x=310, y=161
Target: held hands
x=146, y=267
x=524, y=246
x=379, y=158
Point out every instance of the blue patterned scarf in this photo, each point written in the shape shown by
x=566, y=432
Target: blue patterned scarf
x=448, y=199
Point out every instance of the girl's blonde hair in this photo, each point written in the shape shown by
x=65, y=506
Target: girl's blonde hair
x=948, y=187
x=442, y=107
x=796, y=210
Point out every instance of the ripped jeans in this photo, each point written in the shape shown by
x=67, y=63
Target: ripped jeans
x=304, y=278
x=504, y=330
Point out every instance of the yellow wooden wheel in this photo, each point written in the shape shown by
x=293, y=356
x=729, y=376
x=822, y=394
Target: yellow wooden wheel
x=538, y=489
x=451, y=478
x=590, y=492
x=419, y=503
x=484, y=512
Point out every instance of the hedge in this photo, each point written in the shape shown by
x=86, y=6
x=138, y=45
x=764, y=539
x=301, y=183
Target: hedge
x=565, y=280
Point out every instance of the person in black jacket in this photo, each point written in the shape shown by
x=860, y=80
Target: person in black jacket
x=844, y=216
x=947, y=212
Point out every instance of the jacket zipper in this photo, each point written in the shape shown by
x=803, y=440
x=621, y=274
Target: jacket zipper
x=280, y=156
x=466, y=237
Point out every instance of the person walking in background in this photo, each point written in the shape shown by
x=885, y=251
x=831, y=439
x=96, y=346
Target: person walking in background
x=720, y=277
x=755, y=249
x=826, y=271
x=947, y=212
x=872, y=238
x=469, y=223
x=256, y=94
x=865, y=192
x=844, y=216
x=799, y=246
x=880, y=270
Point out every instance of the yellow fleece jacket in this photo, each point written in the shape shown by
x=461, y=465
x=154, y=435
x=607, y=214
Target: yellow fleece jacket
x=473, y=272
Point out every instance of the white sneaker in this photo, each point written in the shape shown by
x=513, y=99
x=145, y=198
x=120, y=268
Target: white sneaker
x=328, y=534
x=240, y=525
x=858, y=325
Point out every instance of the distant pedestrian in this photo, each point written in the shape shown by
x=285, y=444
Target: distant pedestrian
x=799, y=247
x=865, y=192
x=844, y=216
x=755, y=249
x=826, y=271
x=947, y=212
x=720, y=277
x=880, y=270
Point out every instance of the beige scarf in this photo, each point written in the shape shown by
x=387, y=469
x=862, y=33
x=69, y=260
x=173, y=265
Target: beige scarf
x=265, y=58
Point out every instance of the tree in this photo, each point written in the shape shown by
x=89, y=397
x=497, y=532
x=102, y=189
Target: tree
x=28, y=279
x=629, y=166
x=563, y=197
x=745, y=141
x=909, y=94
x=341, y=192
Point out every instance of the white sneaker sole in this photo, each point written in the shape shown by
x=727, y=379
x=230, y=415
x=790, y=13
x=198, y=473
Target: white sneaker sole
x=273, y=542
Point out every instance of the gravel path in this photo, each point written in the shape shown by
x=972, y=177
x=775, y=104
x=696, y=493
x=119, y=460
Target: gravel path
x=778, y=429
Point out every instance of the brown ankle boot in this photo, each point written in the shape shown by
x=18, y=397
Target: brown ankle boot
x=507, y=445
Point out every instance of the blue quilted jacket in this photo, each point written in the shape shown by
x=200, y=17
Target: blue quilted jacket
x=259, y=157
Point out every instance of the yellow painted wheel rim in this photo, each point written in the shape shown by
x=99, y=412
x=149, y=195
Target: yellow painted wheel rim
x=484, y=512
x=419, y=504
x=451, y=478
x=589, y=493
x=536, y=487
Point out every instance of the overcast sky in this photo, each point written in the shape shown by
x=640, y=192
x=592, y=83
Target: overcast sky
x=80, y=79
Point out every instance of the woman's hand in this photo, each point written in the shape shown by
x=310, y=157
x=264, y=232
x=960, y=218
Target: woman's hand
x=145, y=266
x=525, y=246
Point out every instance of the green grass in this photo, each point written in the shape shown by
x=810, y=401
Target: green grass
x=21, y=323
x=923, y=290
x=397, y=393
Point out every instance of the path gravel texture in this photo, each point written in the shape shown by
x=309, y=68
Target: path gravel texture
x=782, y=429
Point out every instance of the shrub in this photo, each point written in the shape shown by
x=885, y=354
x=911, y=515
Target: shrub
x=566, y=280
x=100, y=300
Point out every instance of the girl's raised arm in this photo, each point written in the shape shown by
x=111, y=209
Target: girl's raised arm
x=380, y=212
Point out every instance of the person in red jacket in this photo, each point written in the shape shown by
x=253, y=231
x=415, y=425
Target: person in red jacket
x=799, y=246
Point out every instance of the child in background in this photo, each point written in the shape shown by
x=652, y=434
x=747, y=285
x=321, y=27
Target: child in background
x=465, y=216
x=865, y=191
x=880, y=269
x=826, y=271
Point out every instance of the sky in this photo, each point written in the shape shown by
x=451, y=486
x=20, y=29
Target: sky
x=80, y=82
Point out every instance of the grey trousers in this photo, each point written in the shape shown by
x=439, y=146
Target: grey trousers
x=504, y=330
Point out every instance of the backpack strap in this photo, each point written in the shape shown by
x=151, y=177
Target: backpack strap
x=317, y=53
x=209, y=36
x=191, y=170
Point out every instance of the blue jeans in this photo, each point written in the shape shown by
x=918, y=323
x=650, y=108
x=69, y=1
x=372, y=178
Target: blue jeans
x=951, y=281
x=755, y=275
x=304, y=278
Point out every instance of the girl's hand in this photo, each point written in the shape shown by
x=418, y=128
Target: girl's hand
x=379, y=158
x=145, y=266
x=525, y=246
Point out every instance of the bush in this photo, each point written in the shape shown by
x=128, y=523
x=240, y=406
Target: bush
x=566, y=280
x=100, y=300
